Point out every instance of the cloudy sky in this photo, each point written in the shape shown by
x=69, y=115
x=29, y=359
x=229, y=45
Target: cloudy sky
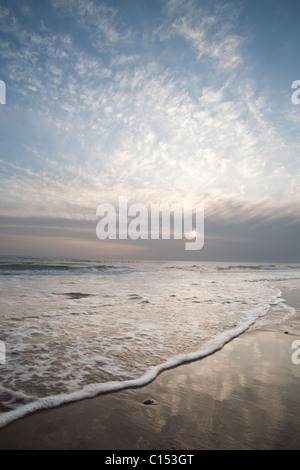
x=161, y=101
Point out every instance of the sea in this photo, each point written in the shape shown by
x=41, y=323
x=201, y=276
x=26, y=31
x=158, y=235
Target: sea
x=72, y=329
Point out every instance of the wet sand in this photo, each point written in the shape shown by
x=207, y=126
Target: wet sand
x=246, y=396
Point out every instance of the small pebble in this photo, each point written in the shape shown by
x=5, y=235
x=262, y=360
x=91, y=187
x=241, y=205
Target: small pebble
x=150, y=401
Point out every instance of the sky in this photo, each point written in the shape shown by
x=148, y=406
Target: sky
x=159, y=101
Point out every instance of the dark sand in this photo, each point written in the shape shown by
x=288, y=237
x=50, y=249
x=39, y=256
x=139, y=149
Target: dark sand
x=246, y=396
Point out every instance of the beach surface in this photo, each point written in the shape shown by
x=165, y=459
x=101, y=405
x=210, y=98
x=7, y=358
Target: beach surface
x=245, y=396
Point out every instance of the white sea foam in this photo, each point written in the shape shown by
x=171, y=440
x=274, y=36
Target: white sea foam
x=93, y=390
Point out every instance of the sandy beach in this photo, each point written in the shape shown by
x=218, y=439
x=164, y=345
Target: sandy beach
x=245, y=396
x=149, y=226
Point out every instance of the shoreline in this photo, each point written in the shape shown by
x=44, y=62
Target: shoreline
x=243, y=396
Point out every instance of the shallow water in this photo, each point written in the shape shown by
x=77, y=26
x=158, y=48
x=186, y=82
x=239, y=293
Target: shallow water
x=74, y=328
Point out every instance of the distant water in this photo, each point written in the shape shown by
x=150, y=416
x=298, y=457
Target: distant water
x=74, y=328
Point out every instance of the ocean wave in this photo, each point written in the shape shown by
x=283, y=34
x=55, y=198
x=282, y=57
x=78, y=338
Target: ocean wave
x=183, y=268
x=31, y=405
x=33, y=267
x=67, y=331
x=273, y=280
x=29, y=268
x=257, y=267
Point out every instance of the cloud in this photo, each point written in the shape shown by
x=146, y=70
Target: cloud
x=208, y=29
x=97, y=113
x=96, y=16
